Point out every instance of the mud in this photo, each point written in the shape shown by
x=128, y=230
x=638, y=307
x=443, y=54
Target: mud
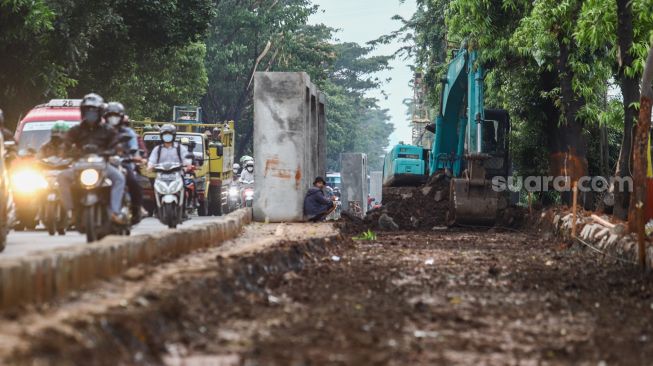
x=456, y=297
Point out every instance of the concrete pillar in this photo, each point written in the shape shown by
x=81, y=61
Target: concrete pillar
x=353, y=171
x=287, y=138
x=376, y=186
x=322, y=136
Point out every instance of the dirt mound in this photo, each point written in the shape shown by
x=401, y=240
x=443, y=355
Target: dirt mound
x=418, y=209
x=410, y=208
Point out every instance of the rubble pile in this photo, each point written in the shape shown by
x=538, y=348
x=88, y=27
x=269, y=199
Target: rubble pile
x=407, y=208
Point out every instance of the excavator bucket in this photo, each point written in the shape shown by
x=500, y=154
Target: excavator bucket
x=472, y=199
x=472, y=204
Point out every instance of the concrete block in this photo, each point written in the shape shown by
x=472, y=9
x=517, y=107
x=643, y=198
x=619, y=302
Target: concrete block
x=353, y=171
x=376, y=186
x=289, y=143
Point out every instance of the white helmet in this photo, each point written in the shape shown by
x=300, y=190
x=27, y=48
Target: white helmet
x=236, y=167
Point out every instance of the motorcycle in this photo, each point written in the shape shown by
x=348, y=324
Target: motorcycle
x=248, y=194
x=53, y=214
x=169, y=193
x=93, y=192
x=233, y=198
x=28, y=186
x=190, y=194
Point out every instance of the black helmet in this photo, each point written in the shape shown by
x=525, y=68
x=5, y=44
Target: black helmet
x=91, y=108
x=168, y=129
x=114, y=113
x=2, y=118
x=92, y=101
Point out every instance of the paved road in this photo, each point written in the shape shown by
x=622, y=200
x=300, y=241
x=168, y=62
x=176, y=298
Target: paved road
x=22, y=243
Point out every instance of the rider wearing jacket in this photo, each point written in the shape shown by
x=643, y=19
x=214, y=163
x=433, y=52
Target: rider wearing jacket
x=91, y=131
x=114, y=115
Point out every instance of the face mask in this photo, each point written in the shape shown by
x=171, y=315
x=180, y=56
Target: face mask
x=250, y=169
x=114, y=120
x=167, y=137
x=92, y=115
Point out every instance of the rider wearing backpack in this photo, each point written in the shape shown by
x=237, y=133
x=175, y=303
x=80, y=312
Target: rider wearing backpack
x=169, y=150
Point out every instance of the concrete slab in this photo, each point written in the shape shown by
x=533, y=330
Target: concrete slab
x=354, y=183
x=289, y=143
x=376, y=186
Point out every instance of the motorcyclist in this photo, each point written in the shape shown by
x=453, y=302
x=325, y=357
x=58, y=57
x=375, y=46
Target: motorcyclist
x=236, y=169
x=168, y=150
x=55, y=147
x=247, y=176
x=92, y=132
x=114, y=115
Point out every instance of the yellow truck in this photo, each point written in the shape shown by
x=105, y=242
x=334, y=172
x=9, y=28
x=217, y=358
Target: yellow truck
x=214, y=163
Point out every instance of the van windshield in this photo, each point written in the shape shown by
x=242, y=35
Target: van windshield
x=35, y=134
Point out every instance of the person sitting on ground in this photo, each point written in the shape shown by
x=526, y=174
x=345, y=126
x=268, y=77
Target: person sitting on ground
x=316, y=204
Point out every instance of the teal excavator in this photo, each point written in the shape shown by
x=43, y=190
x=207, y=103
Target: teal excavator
x=470, y=146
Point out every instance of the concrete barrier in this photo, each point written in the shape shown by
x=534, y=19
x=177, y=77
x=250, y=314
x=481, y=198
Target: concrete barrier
x=289, y=143
x=43, y=276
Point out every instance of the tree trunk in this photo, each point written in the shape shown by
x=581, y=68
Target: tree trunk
x=568, y=146
x=640, y=147
x=630, y=90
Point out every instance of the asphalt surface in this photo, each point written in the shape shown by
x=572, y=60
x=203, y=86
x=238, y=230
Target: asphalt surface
x=26, y=242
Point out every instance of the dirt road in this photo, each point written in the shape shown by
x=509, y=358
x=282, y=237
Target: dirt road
x=466, y=297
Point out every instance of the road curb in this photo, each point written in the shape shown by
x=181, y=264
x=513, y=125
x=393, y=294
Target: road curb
x=43, y=276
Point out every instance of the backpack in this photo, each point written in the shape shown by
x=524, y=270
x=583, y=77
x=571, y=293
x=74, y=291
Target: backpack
x=158, y=155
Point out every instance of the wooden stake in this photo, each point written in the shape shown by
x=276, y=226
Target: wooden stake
x=641, y=241
x=530, y=203
x=574, y=210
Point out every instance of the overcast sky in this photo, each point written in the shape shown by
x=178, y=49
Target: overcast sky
x=364, y=20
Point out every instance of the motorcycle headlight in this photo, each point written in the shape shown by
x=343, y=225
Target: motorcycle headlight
x=28, y=181
x=249, y=194
x=89, y=177
x=233, y=191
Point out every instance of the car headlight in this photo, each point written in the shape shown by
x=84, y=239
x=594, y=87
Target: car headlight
x=89, y=177
x=28, y=181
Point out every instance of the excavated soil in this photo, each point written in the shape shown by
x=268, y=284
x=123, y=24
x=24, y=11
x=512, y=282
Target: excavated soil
x=454, y=297
x=411, y=208
x=421, y=208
